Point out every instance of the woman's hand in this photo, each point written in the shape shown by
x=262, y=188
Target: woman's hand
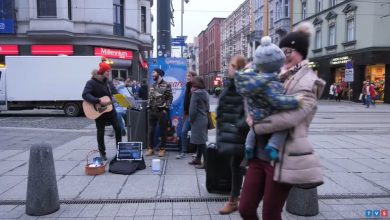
x=249, y=121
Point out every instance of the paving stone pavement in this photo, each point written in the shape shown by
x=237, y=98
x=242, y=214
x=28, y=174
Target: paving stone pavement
x=356, y=164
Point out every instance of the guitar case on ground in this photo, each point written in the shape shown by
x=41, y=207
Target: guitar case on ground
x=218, y=175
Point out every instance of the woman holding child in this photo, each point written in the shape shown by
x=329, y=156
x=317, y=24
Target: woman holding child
x=279, y=123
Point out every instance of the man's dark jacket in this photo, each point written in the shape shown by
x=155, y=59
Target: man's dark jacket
x=231, y=122
x=95, y=89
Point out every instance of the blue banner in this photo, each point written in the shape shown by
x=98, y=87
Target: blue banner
x=175, y=74
x=6, y=26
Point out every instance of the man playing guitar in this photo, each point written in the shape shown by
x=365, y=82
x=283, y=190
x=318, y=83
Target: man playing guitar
x=96, y=91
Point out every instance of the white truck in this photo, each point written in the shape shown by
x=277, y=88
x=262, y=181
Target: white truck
x=45, y=82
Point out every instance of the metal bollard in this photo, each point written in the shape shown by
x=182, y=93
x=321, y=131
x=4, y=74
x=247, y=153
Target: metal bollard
x=42, y=192
x=302, y=202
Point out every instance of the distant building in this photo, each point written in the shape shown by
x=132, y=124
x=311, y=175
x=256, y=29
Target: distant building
x=117, y=29
x=235, y=30
x=349, y=31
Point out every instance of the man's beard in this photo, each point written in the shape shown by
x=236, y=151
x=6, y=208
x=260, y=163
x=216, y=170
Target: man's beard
x=155, y=78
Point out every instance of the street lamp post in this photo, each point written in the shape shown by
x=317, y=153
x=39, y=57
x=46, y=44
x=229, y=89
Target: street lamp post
x=181, y=30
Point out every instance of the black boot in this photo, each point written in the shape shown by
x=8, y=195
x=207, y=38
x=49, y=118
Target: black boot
x=103, y=156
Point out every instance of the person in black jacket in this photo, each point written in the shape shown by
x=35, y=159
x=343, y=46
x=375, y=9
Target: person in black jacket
x=186, y=127
x=96, y=88
x=143, y=91
x=232, y=130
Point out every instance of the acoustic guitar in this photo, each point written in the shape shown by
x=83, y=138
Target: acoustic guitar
x=94, y=111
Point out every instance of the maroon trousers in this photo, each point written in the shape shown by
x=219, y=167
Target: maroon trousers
x=259, y=185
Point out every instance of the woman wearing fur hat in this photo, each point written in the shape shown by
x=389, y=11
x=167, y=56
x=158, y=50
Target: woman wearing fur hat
x=272, y=182
x=94, y=90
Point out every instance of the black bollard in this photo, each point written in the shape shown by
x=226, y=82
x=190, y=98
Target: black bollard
x=42, y=192
x=302, y=202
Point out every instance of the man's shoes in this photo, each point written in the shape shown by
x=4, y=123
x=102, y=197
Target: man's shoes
x=195, y=162
x=161, y=153
x=180, y=156
x=201, y=166
x=149, y=152
x=123, y=132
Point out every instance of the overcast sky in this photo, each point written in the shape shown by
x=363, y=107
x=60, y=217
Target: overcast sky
x=197, y=14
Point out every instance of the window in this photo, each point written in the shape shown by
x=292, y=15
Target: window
x=332, y=35
x=304, y=10
x=70, y=9
x=277, y=16
x=318, y=39
x=47, y=8
x=143, y=19
x=350, y=30
x=319, y=6
x=286, y=8
x=332, y=3
x=271, y=19
x=118, y=17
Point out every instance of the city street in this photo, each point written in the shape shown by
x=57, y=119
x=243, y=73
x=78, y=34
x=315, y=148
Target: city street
x=351, y=140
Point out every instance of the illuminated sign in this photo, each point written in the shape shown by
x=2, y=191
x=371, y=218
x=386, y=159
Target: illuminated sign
x=52, y=49
x=339, y=60
x=9, y=50
x=114, y=53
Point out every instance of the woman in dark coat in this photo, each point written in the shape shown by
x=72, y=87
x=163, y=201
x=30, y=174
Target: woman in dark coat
x=198, y=115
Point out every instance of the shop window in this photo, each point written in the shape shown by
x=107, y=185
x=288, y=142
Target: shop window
x=376, y=74
x=318, y=43
x=350, y=29
x=118, y=13
x=332, y=35
x=143, y=19
x=304, y=10
x=47, y=8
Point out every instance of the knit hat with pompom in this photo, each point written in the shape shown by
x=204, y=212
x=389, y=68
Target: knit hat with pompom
x=299, y=38
x=268, y=58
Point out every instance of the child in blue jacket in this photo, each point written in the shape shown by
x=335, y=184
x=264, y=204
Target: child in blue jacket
x=265, y=95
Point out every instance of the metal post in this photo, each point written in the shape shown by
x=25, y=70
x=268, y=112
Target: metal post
x=181, y=33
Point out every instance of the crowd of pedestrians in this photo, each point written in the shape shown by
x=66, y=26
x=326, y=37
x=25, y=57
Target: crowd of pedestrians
x=264, y=110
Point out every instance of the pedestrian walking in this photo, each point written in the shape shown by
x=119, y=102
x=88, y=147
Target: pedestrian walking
x=160, y=100
x=364, y=92
x=198, y=116
x=332, y=91
x=339, y=92
x=186, y=127
x=232, y=130
x=263, y=181
x=96, y=88
x=371, y=94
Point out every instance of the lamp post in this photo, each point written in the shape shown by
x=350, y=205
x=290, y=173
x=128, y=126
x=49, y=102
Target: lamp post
x=181, y=24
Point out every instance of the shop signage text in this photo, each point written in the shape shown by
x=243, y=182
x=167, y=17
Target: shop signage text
x=114, y=53
x=52, y=49
x=339, y=60
x=9, y=50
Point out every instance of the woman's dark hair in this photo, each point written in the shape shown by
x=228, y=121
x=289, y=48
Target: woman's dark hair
x=193, y=73
x=198, y=82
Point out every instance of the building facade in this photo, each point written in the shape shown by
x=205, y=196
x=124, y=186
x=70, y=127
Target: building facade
x=339, y=43
x=117, y=29
x=234, y=34
x=272, y=18
x=210, y=52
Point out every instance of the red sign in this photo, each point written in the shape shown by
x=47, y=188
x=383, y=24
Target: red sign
x=9, y=49
x=114, y=53
x=52, y=49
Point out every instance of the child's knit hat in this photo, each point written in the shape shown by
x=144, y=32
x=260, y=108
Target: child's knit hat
x=269, y=58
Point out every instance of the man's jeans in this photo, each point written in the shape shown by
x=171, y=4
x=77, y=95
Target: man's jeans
x=184, y=134
x=121, y=115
